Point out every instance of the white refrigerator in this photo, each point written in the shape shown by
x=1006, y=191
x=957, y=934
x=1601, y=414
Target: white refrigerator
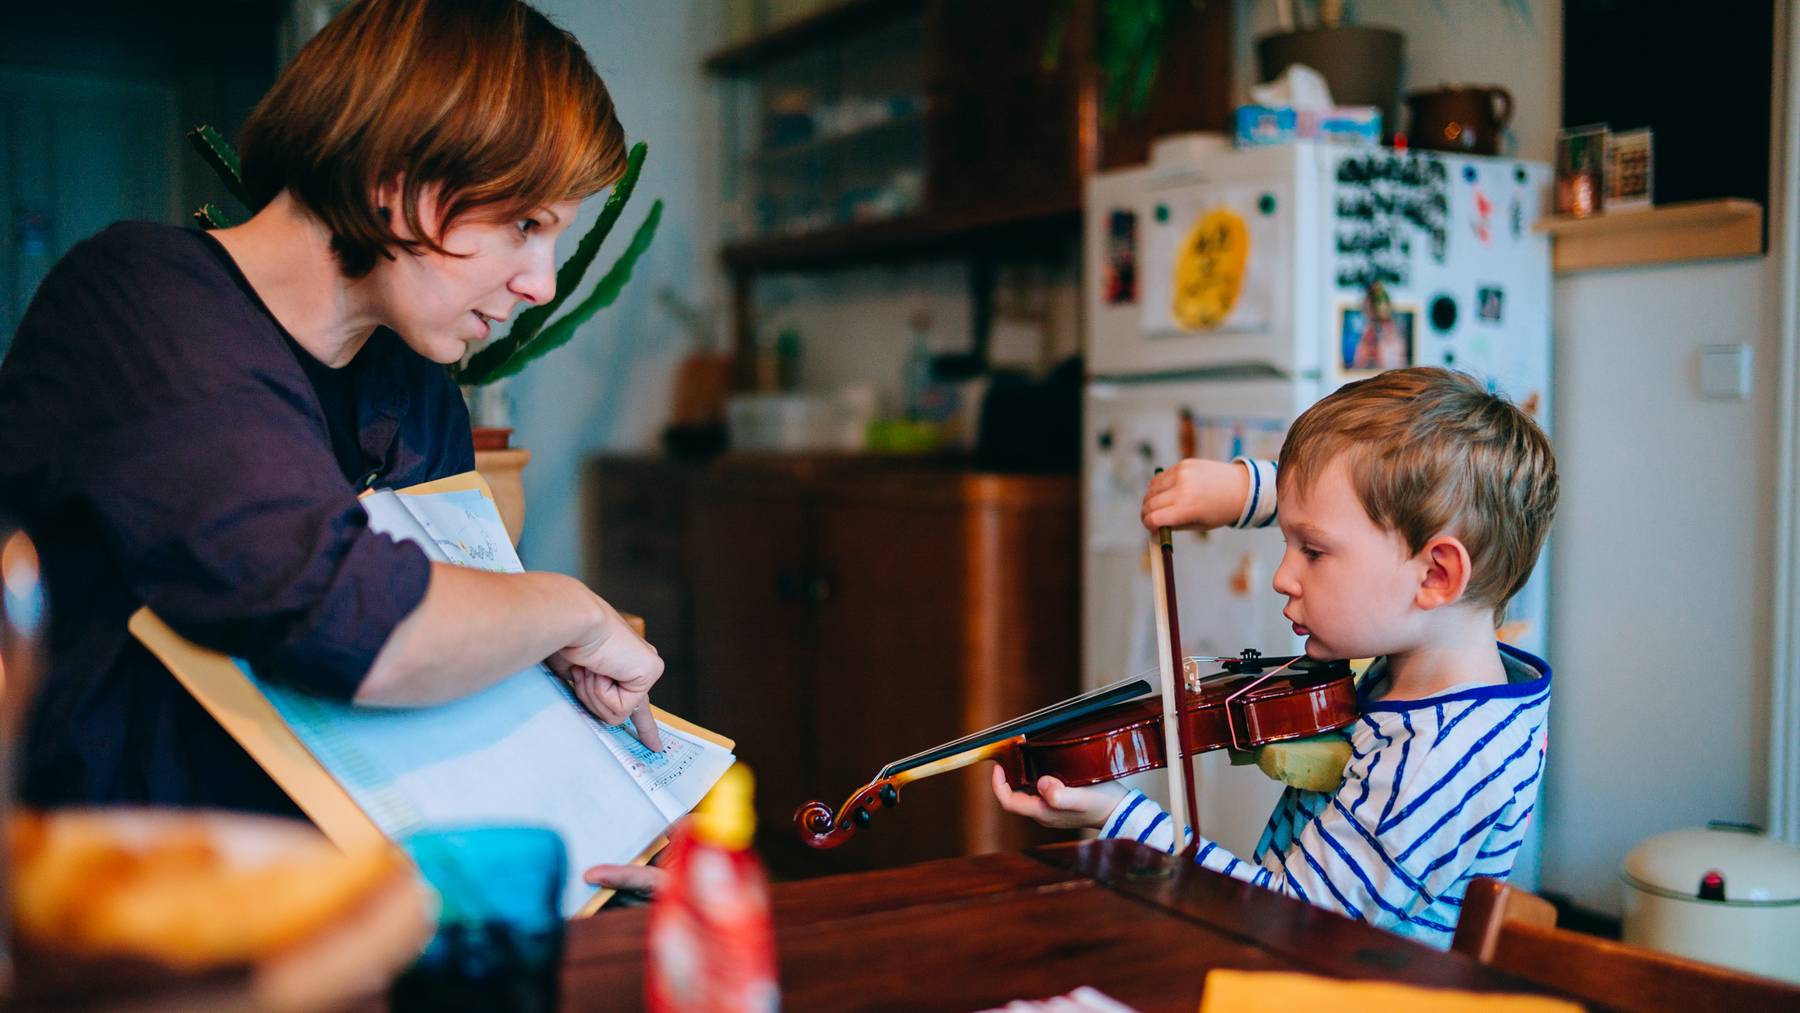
x=1225, y=291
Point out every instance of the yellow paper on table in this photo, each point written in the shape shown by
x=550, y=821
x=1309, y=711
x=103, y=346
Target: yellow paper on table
x=1279, y=991
x=523, y=751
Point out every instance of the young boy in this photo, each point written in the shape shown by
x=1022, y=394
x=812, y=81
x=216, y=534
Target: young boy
x=1414, y=504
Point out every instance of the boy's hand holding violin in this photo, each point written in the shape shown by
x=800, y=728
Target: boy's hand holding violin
x=1059, y=806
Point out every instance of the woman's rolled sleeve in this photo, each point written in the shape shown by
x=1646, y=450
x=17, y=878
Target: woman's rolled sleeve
x=234, y=524
x=377, y=583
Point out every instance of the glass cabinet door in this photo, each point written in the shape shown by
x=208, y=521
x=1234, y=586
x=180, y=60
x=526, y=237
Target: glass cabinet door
x=828, y=137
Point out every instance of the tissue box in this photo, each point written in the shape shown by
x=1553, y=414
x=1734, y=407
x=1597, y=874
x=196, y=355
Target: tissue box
x=1259, y=125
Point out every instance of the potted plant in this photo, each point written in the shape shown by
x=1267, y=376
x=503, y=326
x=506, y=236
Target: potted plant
x=1129, y=38
x=533, y=333
x=1361, y=63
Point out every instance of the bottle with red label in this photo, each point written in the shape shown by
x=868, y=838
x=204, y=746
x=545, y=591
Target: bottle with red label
x=711, y=944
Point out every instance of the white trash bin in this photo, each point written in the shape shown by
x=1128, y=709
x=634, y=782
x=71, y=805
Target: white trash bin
x=1726, y=894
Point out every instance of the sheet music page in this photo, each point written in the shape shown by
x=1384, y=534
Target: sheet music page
x=465, y=527
x=523, y=751
x=389, y=515
x=674, y=779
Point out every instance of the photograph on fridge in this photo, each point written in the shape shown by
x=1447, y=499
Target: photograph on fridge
x=1375, y=335
x=1120, y=286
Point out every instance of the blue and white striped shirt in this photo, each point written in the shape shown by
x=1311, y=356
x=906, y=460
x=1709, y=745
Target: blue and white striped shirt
x=1437, y=792
x=1259, y=504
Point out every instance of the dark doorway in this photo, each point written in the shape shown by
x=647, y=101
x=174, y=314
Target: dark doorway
x=94, y=98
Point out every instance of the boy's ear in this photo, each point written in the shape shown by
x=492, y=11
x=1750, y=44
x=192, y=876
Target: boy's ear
x=1447, y=572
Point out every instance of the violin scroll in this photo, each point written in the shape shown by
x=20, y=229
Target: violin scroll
x=817, y=824
x=822, y=827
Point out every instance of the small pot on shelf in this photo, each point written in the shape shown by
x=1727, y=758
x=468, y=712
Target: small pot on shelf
x=1361, y=63
x=491, y=437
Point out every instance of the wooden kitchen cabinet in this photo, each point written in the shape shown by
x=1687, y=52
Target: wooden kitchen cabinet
x=982, y=144
x=841, y=614
x=636, y=574
x=1006, y=133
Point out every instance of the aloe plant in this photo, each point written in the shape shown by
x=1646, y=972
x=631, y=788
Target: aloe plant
x=222, y=159
x=1129, y=36
x=532, y=334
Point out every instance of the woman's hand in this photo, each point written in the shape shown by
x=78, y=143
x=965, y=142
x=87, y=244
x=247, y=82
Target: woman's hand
x=1058, y=805
x=612, y=669
x=1197, y=493
x=644, y=879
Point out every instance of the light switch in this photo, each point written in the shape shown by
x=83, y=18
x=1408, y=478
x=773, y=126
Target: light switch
x=1725, y=372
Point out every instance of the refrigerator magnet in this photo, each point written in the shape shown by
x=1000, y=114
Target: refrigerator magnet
x=1376, y=334
x=1490, y=303
x=1209, y=270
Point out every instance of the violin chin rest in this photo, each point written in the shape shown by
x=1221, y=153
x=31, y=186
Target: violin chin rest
x=1315, y=764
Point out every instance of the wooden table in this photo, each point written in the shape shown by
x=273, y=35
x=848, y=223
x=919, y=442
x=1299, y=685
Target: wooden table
x=969, y=933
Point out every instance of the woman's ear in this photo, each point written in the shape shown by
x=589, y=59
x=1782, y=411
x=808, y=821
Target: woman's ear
x=1446, y=575
x=388, y=195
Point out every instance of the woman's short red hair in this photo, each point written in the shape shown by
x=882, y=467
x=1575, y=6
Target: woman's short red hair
x=485, y=100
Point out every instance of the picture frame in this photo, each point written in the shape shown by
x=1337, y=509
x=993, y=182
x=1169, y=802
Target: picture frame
x=1630, y=169
x=1581, y=170
x=1364, y=351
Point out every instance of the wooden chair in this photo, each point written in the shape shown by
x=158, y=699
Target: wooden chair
x=1515, y=931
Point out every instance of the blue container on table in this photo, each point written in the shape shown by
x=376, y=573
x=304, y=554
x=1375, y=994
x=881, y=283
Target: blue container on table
x=499, y=938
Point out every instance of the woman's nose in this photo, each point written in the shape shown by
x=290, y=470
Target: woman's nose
x=538, y=284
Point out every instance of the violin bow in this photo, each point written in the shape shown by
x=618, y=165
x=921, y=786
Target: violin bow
x=1185, y=811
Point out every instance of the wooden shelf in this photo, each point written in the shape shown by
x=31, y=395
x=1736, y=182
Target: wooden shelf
x=820, y=142
x=827, y=246
x=839, y=21
x=899, y=238
x=1696, y=230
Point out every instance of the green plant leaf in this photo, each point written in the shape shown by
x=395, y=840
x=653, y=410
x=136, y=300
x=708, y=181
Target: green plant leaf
x=1148, y=57
x=1130, y=36
x=210, y=217
x=568, y=279
x=1058, y=32
x=485, y=369
x=218, y=153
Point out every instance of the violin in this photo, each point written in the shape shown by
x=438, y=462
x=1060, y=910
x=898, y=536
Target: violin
x=1116, y=731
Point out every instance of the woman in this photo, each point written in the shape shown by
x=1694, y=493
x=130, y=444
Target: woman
x=186, y=418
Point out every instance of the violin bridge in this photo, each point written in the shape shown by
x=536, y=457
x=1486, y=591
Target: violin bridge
x=1190, y=674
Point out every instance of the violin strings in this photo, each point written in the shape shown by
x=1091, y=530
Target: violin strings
x=974, y=738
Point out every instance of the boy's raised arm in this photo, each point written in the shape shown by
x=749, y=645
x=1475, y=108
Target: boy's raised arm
x=1205, y=494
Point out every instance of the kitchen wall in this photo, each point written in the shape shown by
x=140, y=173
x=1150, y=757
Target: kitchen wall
x=1660, y=575
x=854, y=325
x=609, y=387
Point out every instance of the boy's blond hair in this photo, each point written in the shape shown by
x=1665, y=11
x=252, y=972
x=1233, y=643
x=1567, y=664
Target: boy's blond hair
x=1432, y=452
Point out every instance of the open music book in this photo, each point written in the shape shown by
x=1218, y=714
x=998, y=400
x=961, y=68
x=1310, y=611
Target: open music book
x=521, y=752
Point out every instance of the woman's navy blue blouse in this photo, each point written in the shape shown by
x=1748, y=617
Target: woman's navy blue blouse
x=167, y=443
